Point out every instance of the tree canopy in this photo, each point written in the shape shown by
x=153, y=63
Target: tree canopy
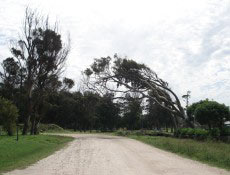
x=211, y=113
x=131, y=77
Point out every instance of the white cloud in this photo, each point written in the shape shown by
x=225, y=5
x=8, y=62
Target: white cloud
x=186, y=42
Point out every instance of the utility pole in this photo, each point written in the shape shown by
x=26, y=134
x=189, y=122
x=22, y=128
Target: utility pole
x=186, y=98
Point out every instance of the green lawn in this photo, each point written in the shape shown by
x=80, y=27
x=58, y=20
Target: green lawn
x=212, y=153
x=28, y=149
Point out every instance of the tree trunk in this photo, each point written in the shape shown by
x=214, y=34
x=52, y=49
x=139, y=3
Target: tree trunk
x=32, y=126
x=175, y=123
x=27, y=119
x=36, y=132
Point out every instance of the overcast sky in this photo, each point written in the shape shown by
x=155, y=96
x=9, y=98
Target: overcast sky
x=187, y=42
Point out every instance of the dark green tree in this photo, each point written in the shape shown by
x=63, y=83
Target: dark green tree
x=132, y=111
x=192, y=108
x=42, y=54
x=212, y=113
x=107, y=113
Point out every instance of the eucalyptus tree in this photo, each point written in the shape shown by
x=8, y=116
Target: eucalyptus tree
x=42, y=54
x=122, y=75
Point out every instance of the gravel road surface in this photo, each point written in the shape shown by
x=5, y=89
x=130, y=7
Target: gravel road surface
x=92, y=154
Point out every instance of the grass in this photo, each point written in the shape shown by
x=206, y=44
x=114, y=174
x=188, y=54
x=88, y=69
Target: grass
x=209, y=152
x=28, y=150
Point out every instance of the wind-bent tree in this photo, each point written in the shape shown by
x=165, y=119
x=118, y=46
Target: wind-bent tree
x=158, y=117
x=42, y=54
x=130, y=76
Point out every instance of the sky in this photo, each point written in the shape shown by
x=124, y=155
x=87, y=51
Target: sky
x=186, y=42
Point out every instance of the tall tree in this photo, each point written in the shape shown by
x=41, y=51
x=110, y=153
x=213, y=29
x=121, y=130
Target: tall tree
x=42, y=54
x=130, y=76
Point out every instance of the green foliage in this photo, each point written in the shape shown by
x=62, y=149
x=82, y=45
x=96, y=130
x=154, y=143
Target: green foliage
x=125, y=132
x=132, y=112
x=122, y=133
x=157, y=117
x=185, y=132
x=192, y=108
x=28, y=149
x=225, y=131
x=99, y=65
x=50, y=128
x=133, y=77
x=213, y=153
x=212, y=114
x=68, y=83
x=40, y=55
x=107, y=113
x=8, y=115
x=215, y=132
x=200, y=134
x=82, y=111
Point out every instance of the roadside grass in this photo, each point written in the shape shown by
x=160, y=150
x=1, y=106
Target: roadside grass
x=28, y=150
x=209, y=152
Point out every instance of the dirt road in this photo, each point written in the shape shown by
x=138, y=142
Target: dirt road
x=110, y=155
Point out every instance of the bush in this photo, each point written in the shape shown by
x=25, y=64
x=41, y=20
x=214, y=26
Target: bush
x=50, y=128
x=191, y=132
x=123, y=133
x=225, y=131
x=8, y=115
x=185, y=132
x=201, y=134
x=215, y=132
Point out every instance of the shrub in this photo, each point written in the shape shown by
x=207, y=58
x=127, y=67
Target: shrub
x=123, y=133
x=184, y=132
x=8, y=115
x=225, y=131
x=215, y=132
x=49, y=127
x=190, y=132
x=201, y=134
